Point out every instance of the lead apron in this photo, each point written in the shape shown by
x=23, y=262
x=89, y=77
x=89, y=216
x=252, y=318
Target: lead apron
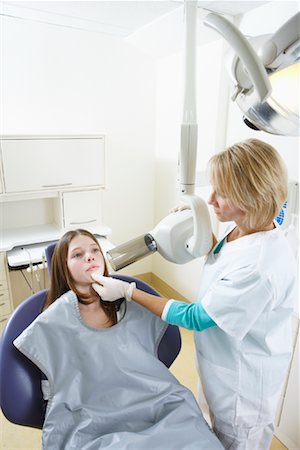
x=107, y=387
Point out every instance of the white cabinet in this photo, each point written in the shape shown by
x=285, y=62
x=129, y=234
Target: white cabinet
x=52, y=163
x=50, y=184
x=81, y=209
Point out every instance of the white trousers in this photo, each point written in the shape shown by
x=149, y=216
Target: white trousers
x=241, y=438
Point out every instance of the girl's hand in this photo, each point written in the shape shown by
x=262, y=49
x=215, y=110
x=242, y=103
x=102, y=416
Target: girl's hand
x=110, y=289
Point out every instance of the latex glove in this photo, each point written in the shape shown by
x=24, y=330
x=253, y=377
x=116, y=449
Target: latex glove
x=111, y=289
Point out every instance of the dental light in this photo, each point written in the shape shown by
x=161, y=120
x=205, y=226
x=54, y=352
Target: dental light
x=184, y=235
x=265, y=72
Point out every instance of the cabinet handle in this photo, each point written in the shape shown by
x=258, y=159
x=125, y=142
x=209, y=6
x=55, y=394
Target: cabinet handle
x=87, y=221
x=2, y=304
x=1, y=295
x=3, y=320
x=56, y=185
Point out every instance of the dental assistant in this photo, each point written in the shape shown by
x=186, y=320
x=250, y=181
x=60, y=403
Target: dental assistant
x=247, y=293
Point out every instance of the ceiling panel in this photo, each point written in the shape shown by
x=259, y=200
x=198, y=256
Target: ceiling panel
x=120, y=18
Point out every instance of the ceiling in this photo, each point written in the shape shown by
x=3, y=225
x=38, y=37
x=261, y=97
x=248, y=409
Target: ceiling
x=119, y=18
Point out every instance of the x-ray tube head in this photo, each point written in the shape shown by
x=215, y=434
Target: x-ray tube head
x=179, y=237
x=132, y=251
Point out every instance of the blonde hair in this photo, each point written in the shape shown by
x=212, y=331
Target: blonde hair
x=253, y=177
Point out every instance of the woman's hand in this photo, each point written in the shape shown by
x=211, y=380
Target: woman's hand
x=110, y=289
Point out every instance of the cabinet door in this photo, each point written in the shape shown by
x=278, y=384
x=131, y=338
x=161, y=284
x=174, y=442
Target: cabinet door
x=81, y=209
x=36, y=164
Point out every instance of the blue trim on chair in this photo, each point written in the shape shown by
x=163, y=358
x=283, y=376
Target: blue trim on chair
x=21, y=398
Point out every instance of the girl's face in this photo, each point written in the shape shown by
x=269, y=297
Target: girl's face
x=84, y=257
x=224, y=210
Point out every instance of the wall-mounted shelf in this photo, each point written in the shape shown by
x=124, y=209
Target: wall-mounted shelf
x=14, y=237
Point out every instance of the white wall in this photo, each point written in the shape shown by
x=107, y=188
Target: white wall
x=58, y=80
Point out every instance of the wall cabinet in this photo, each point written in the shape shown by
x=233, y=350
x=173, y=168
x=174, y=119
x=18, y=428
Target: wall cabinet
x=81, y=209
x=48, y=163
x=50, y=184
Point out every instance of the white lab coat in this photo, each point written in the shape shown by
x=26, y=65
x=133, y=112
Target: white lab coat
x=248, y=289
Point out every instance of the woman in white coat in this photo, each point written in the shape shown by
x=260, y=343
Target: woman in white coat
x=247, y=292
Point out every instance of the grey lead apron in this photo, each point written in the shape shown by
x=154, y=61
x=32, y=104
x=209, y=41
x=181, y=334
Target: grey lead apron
x=108, y=390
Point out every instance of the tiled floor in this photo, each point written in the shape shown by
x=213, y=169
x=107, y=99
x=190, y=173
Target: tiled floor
x=15, y=437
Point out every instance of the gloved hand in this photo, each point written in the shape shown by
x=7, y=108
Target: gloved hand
x=111, y=289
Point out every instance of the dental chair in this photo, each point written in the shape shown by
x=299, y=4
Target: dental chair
x=21, y=397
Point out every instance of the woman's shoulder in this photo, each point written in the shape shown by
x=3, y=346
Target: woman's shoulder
x=276, y=255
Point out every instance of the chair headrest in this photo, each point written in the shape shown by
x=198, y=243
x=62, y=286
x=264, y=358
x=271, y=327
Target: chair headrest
x=49, y=252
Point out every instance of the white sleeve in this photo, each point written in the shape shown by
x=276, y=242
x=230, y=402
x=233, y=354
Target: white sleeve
x=236, y=301
x=166, y=309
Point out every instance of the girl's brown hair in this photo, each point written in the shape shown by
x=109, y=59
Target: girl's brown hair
x=61, y=280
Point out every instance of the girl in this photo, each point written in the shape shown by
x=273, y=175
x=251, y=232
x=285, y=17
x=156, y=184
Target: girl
x=106, y=387
x=246, y=297
x=76, y=256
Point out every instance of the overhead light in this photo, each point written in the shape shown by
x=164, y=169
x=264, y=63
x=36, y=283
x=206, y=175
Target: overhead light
x=265, y=73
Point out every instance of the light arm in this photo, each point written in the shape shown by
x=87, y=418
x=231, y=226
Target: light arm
x=277, y=45
x=255, y=68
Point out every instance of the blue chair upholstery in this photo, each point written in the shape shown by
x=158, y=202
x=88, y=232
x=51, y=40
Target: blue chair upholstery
x=21, y=397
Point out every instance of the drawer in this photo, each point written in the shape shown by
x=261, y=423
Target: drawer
x=5, y=307
x=2, y=266
x=2, y=263
x=3, y=322
x=2, y=259
x=3, y=284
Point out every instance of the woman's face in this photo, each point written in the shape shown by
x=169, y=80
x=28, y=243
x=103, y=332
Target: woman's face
x=84, y=257
x=224, y=210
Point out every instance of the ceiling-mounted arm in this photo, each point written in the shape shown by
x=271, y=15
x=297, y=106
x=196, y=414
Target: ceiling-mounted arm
x=182, y=236
x=189, y=127
x=255, y=68
x=200, y=242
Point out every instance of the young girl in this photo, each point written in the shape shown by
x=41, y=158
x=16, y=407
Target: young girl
x=106, y=386
x=75, y=257
x=247, y=293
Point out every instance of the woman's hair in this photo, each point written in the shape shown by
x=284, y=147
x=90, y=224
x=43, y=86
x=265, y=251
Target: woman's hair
x=61, y=280
x=253, y=177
